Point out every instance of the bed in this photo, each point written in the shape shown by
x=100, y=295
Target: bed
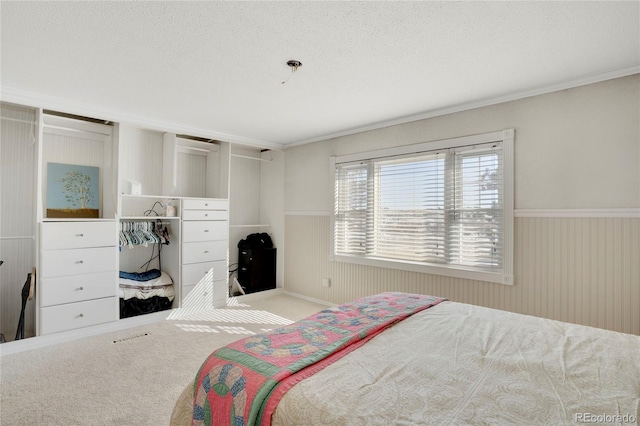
x=454, y=363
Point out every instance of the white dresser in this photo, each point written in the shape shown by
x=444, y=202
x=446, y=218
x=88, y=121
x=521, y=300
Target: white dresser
x=205, y=246
x=78, y=275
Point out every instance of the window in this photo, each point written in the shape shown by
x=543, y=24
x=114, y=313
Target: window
x=443, y=207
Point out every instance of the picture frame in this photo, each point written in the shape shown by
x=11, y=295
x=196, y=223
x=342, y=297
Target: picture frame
x=73, y=191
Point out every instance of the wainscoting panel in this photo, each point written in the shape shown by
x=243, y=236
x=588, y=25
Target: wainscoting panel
x=580, y=270
x=140, y=158
x=18, y=133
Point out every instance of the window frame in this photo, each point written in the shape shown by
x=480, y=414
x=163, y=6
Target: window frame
x=502, y=277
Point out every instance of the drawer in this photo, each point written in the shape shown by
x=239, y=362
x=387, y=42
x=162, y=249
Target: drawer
x=76, y=315
x=55, y=291
x=69, y=235
x=206, y=272
x=58, y=263
x=205, y=215
x=208, y=230
x=205, y=297
x=205, y=251
x=205, y=204
x=197, y=296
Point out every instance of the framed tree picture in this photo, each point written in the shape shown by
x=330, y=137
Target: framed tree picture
x=73, y=191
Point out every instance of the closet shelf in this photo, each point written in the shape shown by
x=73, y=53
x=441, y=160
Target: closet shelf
x=250, y=158
x=79, y=219
x=163, y=197
x=148, y=217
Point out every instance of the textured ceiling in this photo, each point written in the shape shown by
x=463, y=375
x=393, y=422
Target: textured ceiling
x=216, y=68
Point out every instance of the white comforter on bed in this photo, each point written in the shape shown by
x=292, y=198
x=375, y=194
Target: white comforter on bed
x=462, y=364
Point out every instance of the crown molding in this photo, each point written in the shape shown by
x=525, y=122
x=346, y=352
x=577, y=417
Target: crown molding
x=37, y=100
x=24, y=97
x=580, y=81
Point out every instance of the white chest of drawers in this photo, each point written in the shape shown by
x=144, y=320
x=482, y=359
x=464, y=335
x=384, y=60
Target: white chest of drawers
x=78, y=275
x=205, y=246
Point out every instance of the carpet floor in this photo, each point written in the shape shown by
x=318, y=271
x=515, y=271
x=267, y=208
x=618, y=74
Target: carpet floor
x=132, y=376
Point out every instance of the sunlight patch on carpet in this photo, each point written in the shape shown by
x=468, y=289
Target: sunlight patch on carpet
x=232, y=301
x=198, y=328
x=235, y=330
x=203, y=328
x=238, y=316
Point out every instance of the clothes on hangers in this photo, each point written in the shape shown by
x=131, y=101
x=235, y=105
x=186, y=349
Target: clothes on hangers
x=143, y=233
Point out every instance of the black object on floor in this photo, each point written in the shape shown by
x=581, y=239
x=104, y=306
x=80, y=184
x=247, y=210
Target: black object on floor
x=27, y=294
x=257, y=269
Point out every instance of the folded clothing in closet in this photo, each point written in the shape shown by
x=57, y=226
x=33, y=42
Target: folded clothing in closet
x=146, y=292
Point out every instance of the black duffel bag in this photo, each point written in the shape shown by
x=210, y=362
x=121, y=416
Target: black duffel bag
x=253, y=241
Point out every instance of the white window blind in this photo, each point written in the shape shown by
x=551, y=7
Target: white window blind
x=442, y=208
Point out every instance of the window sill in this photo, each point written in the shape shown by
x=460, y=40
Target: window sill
x=455, y=272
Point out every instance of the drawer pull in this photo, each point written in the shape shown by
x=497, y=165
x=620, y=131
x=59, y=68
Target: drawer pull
x=80, y=288
x=79, y=235
x=206, y=251
x=206, y=214
x=206, y=204
x=80, y=261
x=80, y=316
x=206, y=230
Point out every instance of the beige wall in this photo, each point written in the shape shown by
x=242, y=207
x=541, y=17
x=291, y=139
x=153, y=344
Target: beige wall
x=577, y=148
x=574, y=149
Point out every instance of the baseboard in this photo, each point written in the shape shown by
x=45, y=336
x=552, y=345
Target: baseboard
x=309, y=299
x=251, y=297
x=38, y=342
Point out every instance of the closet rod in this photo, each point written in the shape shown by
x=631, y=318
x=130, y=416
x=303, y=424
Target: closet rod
x=71, y=129
x=192, y=148
x=146, y=219
x=17, y=120
x=249, y=158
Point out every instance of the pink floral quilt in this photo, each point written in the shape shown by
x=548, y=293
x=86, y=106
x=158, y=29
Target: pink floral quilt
x=242, y=383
